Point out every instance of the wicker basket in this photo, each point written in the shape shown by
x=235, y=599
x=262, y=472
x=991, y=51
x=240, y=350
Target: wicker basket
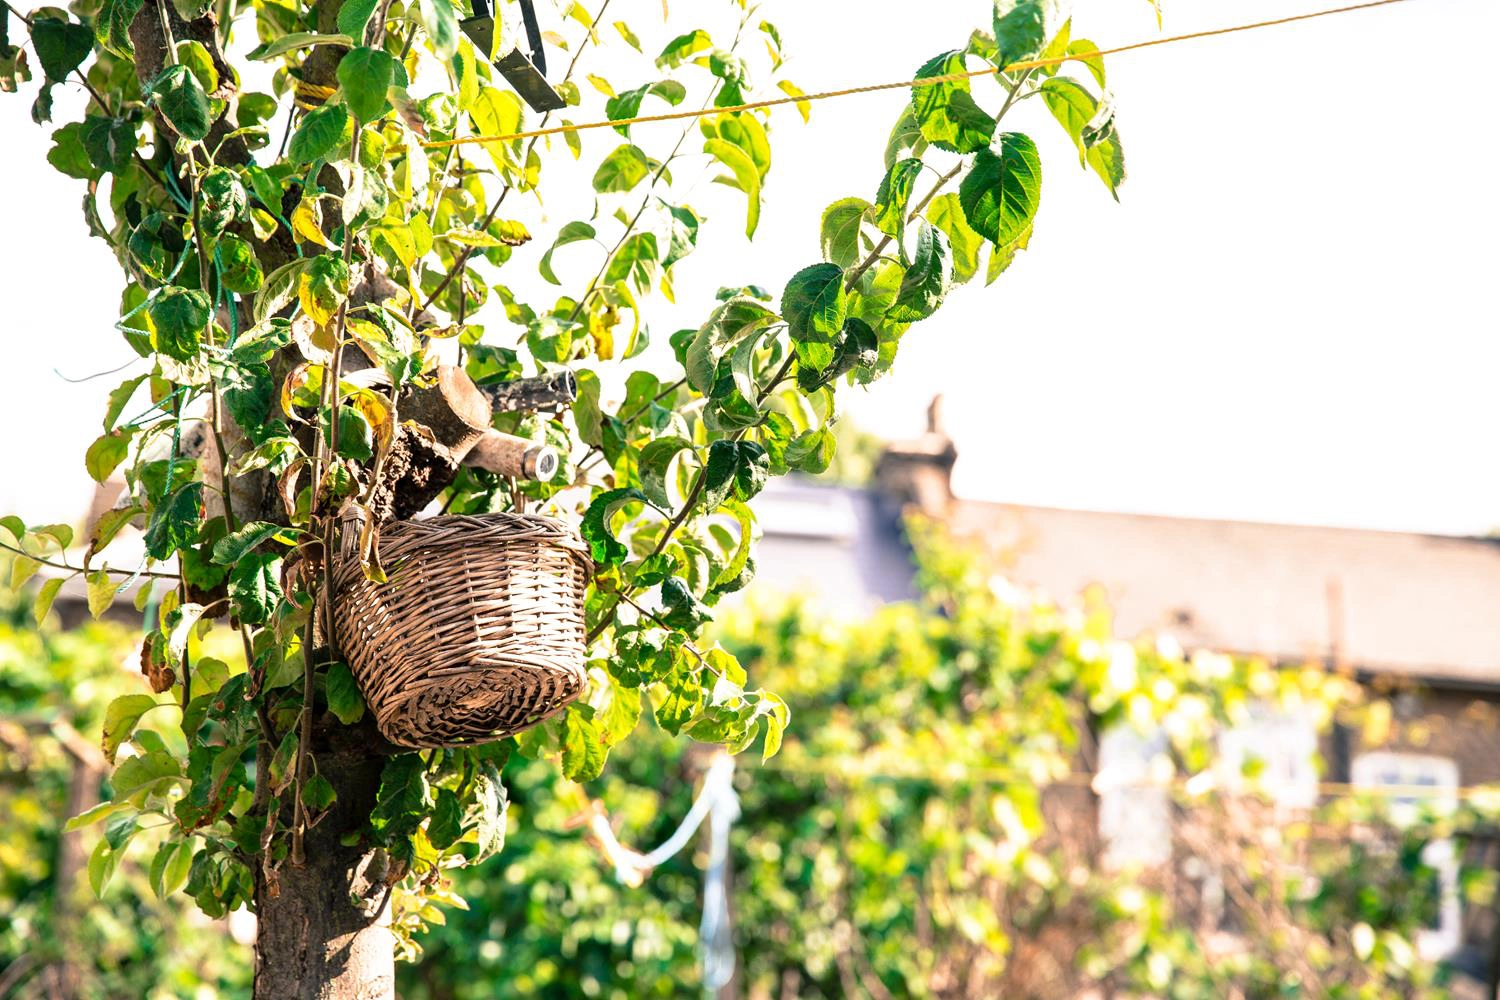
x=479, y=632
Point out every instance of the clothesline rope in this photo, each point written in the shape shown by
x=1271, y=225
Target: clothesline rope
x=1025, y=64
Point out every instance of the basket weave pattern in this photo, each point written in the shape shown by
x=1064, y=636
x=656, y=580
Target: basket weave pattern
x=478, y=633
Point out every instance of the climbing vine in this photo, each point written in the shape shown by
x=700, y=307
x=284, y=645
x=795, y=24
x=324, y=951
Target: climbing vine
x=302, y=246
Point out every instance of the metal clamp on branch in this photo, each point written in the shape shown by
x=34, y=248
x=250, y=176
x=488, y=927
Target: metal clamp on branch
x=446, y=425
x=548, y=393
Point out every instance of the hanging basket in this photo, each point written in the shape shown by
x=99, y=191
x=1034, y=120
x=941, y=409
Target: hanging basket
x=478, y=633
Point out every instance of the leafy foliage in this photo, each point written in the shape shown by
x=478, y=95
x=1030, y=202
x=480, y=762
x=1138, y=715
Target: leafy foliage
x=255, y=271
x=919, y=835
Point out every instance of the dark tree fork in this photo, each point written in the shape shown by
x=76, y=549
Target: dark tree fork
x=288, y=297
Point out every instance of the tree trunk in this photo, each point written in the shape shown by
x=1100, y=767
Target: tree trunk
x=324, y=928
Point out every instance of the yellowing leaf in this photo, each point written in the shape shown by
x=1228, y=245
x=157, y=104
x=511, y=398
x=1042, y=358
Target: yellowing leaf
x=101, y=592
x=305, y=218
x=45, y=596
x=22, y=568
x=804, y=108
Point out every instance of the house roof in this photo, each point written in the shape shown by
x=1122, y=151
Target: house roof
x=1422, y=606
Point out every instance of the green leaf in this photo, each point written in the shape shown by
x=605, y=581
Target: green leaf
x=120, y=719
x=946, y=112
x=746, y=177
x=741, y=557
x=318, y=794
x=812, y=451
x=112, y=26
x=22, y=568
x=139, y=776
x=682, y=48
x=814, y=304
x=840, y=231
x=169, y=868
x=255, y=587
x=239, y=269
x=119, y=398
x=573, y=232
x=894, y=196
x=322, y=132
x=442, y=26
x=109, y=524
x=905, y=134
x=583, y=753
x=179, y=97
x=98, y=813
x=366, y=74
x=279, y=290
x=606, y=549
x=102, y=592
x=1083, y=48
x=1000, y=193
x=232, y=548
x=494, y=804
x=222, y=200
x=344, y=699
x=174, y=522
x=106, y=454
x=1021, y=29
x=447, y=823
x=680, y=609
x=1103, y=151
x=102, y=864
x=110, y=142
x=946, y=213
x=684, y=693
x=550, y=339
x=61, y=46
x=622, y=714
x=354, y=15
x=753, y=467
x=684, y=233
x=628, y=104
x=402, y=801
x=180, y=316
x=928, y=278
x=194, y=55
x=45, y=595
x=621, y=170
x=654, y=462
x=727, y=326
x=1072, y=106
x=718, y=474
x=297, y=40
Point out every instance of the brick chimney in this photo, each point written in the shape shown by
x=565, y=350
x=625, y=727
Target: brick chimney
x=919, y=473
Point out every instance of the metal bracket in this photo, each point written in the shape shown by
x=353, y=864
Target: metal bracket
x=526, y=75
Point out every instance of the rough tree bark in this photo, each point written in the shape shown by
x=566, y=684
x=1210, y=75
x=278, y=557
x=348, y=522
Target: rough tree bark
x=324, y=928
x=323, y=931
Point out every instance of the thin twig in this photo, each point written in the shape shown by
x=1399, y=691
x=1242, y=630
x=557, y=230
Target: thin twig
x=80, y=569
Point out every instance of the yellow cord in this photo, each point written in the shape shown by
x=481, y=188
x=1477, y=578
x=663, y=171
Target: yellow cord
x=873, y=88
x=311, y=95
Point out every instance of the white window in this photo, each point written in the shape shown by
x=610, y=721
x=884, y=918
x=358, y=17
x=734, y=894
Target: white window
x=1135, y=817
x=1274, y=751
x=1419, y=780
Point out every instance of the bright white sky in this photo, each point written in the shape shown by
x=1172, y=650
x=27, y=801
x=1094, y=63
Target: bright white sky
x=1290, y=317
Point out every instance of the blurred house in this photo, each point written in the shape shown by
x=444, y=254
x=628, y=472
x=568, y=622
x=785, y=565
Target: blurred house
x=1414, y=617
